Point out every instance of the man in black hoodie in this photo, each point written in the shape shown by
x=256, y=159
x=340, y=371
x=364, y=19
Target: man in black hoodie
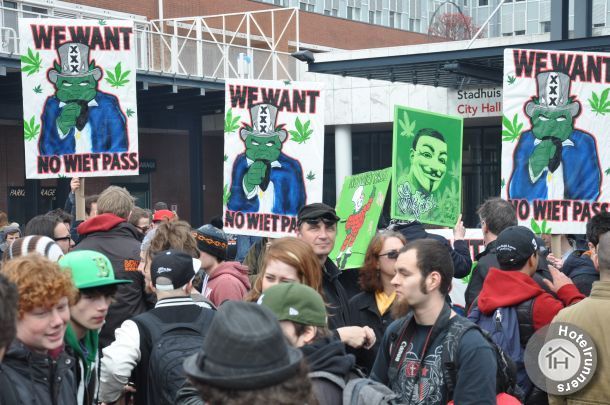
x=302, y=315
x=109, y=233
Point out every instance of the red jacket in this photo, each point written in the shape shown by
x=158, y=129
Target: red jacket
x=507, y=288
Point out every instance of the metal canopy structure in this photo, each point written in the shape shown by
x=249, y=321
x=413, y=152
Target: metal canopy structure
x=456, y=68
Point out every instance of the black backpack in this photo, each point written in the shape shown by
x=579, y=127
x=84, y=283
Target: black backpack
x=506, y=370
x=170, y=345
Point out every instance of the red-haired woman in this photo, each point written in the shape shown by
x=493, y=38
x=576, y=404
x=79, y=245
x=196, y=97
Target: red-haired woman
x=372, y=306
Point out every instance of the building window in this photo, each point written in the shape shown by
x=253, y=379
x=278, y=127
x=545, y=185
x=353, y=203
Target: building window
x=597, y=25
x=392, y=19
x=483, y=2
x=545, y=26
x=371, y=17
x=521, y=32
x=353, y=13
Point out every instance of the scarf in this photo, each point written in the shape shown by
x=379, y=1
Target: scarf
x=384, y=301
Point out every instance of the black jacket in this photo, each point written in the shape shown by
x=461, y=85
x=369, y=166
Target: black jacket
x=460, y=253
x=485, y=260
x=579, y=267
x=120, y=242
x=37, y=379
x=364, y=312
x=335, y=296
x=328, y=354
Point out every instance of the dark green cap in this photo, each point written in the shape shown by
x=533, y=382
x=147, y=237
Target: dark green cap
x=295, y=302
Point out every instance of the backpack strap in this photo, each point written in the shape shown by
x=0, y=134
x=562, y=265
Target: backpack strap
x=335, y=379
x=525, y=316
x=449, y=353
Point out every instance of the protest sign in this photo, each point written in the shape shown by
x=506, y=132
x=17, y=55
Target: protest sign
x=79, y=97
x=359, y=207
x=555, y=146
x=274, y=154
x=427, y=167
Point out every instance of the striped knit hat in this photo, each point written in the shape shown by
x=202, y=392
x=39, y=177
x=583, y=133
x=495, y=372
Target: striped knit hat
x=35, y=244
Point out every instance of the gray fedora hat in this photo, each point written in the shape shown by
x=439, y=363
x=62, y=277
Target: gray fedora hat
x=244, y=349
x=553, y=94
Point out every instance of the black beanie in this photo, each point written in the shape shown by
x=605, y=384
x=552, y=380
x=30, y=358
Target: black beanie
x=211, y=240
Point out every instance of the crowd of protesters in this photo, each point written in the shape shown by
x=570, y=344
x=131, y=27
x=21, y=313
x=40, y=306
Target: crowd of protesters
x=133, y=306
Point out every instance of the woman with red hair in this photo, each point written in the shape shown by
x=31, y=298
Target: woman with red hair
x=372, y=307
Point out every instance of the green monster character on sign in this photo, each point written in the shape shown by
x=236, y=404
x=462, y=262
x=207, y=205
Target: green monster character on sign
x=79, y=118
x=264, y=179
x=554, y=160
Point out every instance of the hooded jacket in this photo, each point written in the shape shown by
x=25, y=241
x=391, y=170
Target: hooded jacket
x=85, y=366
x=328, y=354
x=37, y=379
x=460, y=253
x=120, y=241
x=510, y=288
x=579, y=267
x=229, y=281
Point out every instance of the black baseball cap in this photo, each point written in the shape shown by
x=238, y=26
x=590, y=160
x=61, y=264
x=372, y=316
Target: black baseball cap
x=316, y=212
x=514, y=246
x=175, y=268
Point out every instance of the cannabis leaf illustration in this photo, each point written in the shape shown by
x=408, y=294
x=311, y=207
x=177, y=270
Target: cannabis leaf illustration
x=607, y=171
x=231, y=123
x=600, y=104
x=302, y=133
x=37, y=89
x=511, y=130
x=101, y=22
x=118, y=78
x=540, y=229
x=511, y=79
x=62, y=176
x=406, y=126
x=226, y=158
x=31, y=129
x=31, y=63
x=130, y=112
x=502, y=183
x=311, y=176
x=226, y=194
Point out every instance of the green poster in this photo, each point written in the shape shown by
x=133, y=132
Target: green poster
x=427, y=167
x=359, y=207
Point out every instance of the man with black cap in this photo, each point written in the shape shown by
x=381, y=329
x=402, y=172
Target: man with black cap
x=245, y=359
x=512, y=285
x=317, y=225
x=175, y=325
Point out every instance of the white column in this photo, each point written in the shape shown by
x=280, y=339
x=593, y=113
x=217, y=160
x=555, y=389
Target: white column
x=343, y=155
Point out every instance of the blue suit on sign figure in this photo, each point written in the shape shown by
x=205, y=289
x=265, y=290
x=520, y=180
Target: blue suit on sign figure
x=79, y=118
x=263, y=178
x=553, y=160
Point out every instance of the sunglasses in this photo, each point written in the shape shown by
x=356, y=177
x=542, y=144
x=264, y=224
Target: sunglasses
x=392, y=254
x=66, y=238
